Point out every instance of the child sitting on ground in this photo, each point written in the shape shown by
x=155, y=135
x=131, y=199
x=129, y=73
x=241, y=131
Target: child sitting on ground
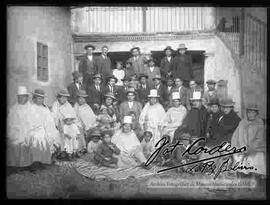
x=93, y=144
x=105, y=152
x=71, y=136
x=147, y=146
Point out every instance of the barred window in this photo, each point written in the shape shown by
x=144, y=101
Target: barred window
x=42, y=62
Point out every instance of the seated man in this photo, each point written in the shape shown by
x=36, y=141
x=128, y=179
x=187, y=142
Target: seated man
x=129, y=145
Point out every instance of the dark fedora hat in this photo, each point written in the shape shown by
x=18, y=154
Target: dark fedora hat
x=253, y=107
x=182, y=46
x=228, y=102
x=211, y=82
x=112, y=77
x=97, y=76
x=214, y=101
x=63, y=92
x=89, y=46
x=168, y=48
x=110, y=95
x=142, y=75
x=82, y=93
x=131, y=90
x=134, y=48
x=151, y=59
x=39, y=92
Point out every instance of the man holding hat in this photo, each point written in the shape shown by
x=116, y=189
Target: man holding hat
x=94, y=93
x=251, y=133
x=103, y=63
x=166, y=62
x=130, y=104
x=182, y=65
x=75, y=86
x=151, y=71
x=87, y=65
x=143, y=89
x=152, y=116
x=18, y=125
x=137, y=60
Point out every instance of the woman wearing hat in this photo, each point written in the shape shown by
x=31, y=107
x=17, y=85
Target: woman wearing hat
x=109, y=103
x=87, y=65
x=174, y=116
x=151, y=71
x=131, y=154
x=152, y=116
x=18, y=125
x=137, y=60
x=75, y=86
x=86, y=117
x=130, y=104
x=251, y=133
x=182, y=65
x=166, y=62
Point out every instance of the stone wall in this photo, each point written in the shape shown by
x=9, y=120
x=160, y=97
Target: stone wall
x=26, y=27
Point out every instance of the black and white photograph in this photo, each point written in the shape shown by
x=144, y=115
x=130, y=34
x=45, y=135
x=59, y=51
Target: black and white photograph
x=136, y=102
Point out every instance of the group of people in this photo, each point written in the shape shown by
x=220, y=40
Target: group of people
x=119, y=115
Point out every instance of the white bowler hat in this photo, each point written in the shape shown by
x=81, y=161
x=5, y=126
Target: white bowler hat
x=196, y=96
x=69, y=116
x=22, y=90
x=127, y=120
x=176, y=96
x=153, y=93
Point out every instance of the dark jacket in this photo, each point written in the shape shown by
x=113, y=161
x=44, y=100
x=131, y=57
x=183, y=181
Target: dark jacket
x=226, y=126
x=106, y=89
x=103, y=66
x=125, y=109
x=162, y=92
x=182, y=67
x=73, y=91
x=165, y=66
x=122, y=94
x=184, y=95
x=94, y=96
x=88, y=69
x=143, y=94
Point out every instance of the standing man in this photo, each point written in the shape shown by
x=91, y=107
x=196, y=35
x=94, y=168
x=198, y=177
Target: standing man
x=103, y=63
x=143, y=89
x=166, y=62
x=161, y=89
x=137, y=60
x=75, y=87
x=182, y=65
x=151, y=71
x=87, y=65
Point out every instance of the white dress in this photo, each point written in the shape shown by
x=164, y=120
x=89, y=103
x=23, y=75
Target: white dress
x=71, y=145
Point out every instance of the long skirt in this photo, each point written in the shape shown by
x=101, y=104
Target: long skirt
x=41, y=154
x=18, y=156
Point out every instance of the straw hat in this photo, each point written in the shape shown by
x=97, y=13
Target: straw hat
x=153, y=94
x=22, y=90
x=69, y=116
x=253, y=107
x=63, y=92
x=82, y=93
x=134, y=48
x=196, y=96
x=168, y=48
x=143, y=75
x=192, y=82
x=89, y=46
x=110, y=95
x=227, y=102
x=112, y=77
x=176, y=96
x=182, y=46
x=127, y=120
x=39, y=92
x=156, y=77
x=131, y=90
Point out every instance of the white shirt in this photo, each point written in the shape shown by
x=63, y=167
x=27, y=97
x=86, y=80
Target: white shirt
x=169, y=88
x=179, y=89
x=78, y=85
x=144, y=86
x=152, y=68
x=157, y=86
x=169, y=58
x=130, y=104
x=98, y=87
x=119, y=74
x=90, y=58
x=136, y=58
x=103, y=56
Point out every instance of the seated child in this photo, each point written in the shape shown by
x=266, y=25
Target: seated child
x=94, y=143
x=136, y=127
x=105, y=152
x=104, y=119
x=147, y=146
x=71, y=136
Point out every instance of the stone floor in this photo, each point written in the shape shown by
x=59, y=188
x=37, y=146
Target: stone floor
x=64, y=182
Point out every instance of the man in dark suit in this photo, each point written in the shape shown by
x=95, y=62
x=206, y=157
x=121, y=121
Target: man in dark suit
x=94, y=93
x=110, y=86
x=143, y=89
x=75, y=87
x=182, y=65
x=169, y=82
x=103, y=63
x=166, y=62
x=161, y=90
x=122, y=90
x=87, y=65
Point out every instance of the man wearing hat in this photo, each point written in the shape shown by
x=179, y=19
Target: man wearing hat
x=103, y=63
x=161, y=88
x=130, y=104
x=75, y=86
x=95, y=93
x=151, y=71
x=152, y=115
x=110, y=102
x=166, y=62
x=122, y=90
x=174, y=116
x=110, y=85
x=196, y=119
x=143, y=89
x=87, y=65
x=17, y=128
x=210, y=93
x=129, y=69
x=131, y=151
x=137, y=60
x=182, y=65
x=251, y=133
x=86, y=116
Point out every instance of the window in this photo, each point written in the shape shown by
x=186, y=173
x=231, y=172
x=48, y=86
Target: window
x=42, y=62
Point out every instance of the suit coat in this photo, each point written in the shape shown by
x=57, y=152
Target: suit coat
x=162, y=92
x=106, y=89
x=73, y=91
x=165, y=66
x=103, y=66
x=184, y=95
x=94, y=96
x=182, y=67
x=125, y=109
x=138, y=64
x=143, y=94
x=122, y=93
x=151, y=75
x=88, y=69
